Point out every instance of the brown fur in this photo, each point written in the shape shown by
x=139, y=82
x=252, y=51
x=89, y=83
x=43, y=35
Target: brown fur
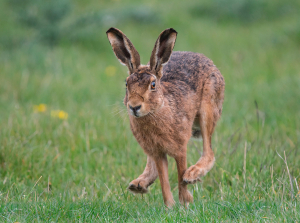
x=187, y=100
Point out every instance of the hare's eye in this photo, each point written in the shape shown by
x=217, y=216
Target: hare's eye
x=153, y=85
x=126, y=83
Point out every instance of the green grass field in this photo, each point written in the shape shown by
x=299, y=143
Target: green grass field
x=71, y=158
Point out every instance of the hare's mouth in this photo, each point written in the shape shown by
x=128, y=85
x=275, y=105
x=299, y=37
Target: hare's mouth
x=136, y=115
x=139, y=114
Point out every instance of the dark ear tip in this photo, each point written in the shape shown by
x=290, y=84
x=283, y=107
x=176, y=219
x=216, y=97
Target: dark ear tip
x=172, y=30
x=166, y=34
x=112, y=29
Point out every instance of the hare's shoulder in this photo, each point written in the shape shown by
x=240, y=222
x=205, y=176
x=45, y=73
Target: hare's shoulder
x=186, y=69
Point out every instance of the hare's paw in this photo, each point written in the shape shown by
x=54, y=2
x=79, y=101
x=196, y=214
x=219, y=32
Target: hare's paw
x=193, y=174
x=138, y=186
x=185, y=197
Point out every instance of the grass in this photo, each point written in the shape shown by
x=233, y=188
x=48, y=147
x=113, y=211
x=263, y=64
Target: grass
x=77, y=169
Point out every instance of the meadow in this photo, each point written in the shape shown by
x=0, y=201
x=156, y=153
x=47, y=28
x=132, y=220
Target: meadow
x=66, y=149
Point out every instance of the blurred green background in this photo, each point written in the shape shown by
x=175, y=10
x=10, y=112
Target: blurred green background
x=65, y=141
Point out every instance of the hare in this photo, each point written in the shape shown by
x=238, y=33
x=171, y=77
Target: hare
x=174, y=97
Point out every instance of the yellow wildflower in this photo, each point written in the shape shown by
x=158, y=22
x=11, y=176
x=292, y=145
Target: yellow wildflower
x=39, y=108
x=59, y=114
x=110, y=71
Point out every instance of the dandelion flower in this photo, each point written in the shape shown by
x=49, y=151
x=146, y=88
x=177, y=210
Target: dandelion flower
x=39, y=108
x=59, y=114
x=62, y=115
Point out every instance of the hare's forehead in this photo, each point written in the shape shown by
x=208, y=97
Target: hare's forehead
x=140, y=78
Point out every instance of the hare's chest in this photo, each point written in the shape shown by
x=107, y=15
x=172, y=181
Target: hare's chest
x=149, y=138
x=156, y=140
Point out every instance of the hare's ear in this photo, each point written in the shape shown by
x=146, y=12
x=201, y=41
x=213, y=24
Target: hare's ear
x=123, y=49
x=162, y=50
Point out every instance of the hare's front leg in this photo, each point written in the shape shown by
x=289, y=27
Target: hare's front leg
x=149, y=175
x=162, y=169
x=185, y=196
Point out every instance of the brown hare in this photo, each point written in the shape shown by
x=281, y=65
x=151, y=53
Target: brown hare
x=174, y=97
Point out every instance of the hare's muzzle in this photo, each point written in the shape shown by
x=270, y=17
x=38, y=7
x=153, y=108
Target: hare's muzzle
x=135, y=110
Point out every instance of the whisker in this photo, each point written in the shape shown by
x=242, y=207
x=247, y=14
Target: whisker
x=118, y=113
x=125, y=117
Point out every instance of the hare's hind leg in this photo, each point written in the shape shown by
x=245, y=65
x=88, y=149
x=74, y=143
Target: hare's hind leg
x=210, y=112
x=141, y=184
x=206, y=161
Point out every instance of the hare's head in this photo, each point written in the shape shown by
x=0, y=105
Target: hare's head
x=143, y=89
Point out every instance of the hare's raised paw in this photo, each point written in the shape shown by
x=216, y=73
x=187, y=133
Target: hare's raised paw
x=193, y=174
x=138, y=187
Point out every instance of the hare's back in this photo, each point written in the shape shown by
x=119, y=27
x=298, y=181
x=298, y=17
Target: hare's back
x=187, y=69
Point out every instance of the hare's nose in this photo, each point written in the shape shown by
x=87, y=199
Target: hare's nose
x=135, y=109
